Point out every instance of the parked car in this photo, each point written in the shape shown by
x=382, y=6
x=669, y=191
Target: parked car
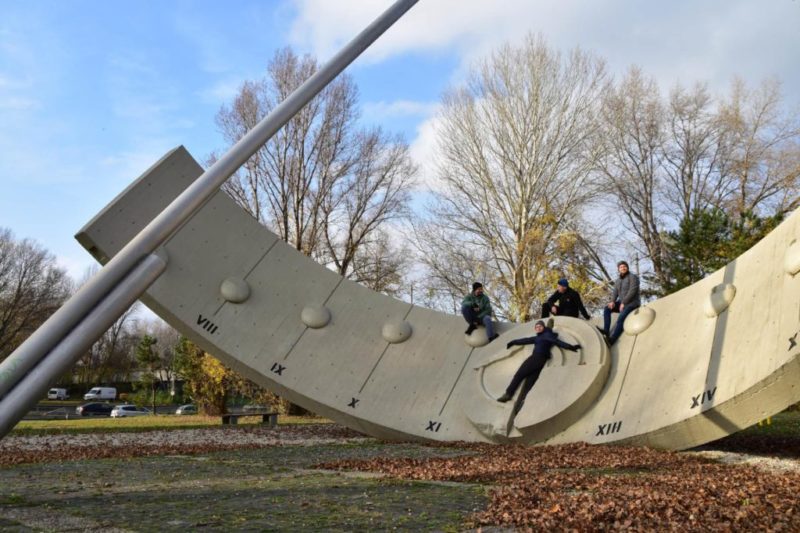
x=101, y=393
x=57, y=394
x=94, y=409
x=188, y=409
x=122, y=411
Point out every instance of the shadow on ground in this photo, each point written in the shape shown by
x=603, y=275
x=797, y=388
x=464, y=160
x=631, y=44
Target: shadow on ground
x=778, y=436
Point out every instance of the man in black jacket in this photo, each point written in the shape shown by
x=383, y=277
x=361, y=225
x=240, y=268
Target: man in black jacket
x=532, y=366
x=564, y=302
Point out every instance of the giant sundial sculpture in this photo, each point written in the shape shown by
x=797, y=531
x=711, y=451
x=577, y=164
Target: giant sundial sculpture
x=692, y=367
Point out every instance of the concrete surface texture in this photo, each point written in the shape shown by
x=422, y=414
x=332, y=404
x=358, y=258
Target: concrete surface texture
x=692, y=367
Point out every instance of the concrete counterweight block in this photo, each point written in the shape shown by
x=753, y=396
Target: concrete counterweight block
x=638, y=321
x=235, y=290
x=791, y=261
x=395, y=332
x=720, y=298
x=315, y=316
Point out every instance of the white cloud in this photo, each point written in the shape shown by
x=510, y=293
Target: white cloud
x=126, y=165
x=214, y=46
x=76, y=265
x=399, y=108
x=19, y=103
x=423, y=152
x=681, y=40
x=25, y=161
x=324, y=26
x=17, y=81
x=222, y=92
x=149, y=102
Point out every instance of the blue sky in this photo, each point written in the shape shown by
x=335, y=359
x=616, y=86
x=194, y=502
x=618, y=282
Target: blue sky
x=93, y=92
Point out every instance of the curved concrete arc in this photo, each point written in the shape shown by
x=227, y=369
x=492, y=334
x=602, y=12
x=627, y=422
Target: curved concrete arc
x=679, y=378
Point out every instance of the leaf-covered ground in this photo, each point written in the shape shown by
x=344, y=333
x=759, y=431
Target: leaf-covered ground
x=252, y=477
x=594, y=488
x=69, y=447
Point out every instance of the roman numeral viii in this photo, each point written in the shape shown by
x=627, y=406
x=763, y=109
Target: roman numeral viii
x=206, y=324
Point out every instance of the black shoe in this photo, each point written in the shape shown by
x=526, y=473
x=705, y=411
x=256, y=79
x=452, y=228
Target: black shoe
x=504, y=398
x=601, y=330
x=493, y=337
x=470, y=329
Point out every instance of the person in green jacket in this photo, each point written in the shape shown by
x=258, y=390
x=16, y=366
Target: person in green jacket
x=476, y=310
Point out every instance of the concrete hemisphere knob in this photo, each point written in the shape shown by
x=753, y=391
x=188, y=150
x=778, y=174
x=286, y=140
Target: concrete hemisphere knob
x=719, y=299
x=315, y=316
x=396, y=331
x=235, y=290
x=477, y=338
x=791, y=261
x=639, y=320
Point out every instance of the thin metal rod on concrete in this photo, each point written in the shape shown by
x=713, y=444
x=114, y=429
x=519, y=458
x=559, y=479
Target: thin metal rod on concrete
x=34, y=385
x=176, y=213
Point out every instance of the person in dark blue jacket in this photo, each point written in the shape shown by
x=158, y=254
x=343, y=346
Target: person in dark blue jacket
x=532, y=366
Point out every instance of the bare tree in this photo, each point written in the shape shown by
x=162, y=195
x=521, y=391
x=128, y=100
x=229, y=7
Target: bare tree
x=168, y=339
x=324, y=185
x=631, y=161
x=696, y=146
x=515, y=147
x=382, y=266
x=32, y=287
x=665, y=162
x=451, y=262
x=376, y=193
x=111, y=357
x=764, y=157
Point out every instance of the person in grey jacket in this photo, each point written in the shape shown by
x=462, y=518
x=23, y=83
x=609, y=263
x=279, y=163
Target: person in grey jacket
x=624, y=300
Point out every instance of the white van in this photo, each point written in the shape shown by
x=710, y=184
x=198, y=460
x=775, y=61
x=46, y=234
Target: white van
x=101, y=393
x=57, y=394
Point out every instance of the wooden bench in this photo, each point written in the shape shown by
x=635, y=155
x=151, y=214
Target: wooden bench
x=268, y=418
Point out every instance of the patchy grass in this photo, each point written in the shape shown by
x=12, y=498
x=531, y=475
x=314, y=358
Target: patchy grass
x=265, y=489
x=436, y=487
x=441, y=487
x=142, y=423
x=778, y=437
x=785, y=424
x=12, y=499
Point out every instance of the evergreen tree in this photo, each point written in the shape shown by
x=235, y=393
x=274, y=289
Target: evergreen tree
x=707, y=240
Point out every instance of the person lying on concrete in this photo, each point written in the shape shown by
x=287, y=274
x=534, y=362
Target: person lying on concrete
x=624, y=300
x=476, y=310
x=544, y=340
x=564, y=302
